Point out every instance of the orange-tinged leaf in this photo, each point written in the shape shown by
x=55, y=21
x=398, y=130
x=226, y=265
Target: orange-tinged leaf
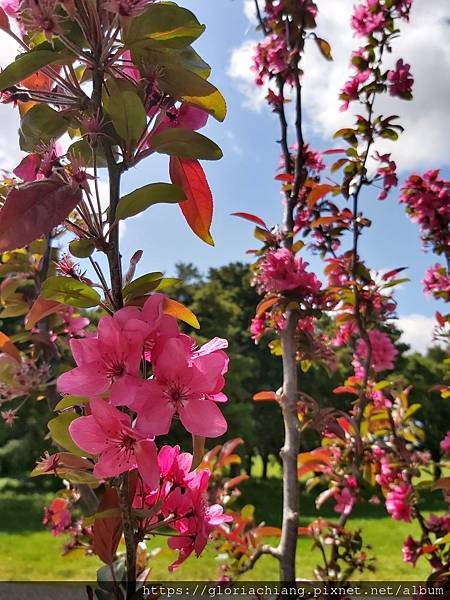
x=8, y=347
x=265, y=397
x=318, y=192
x=181, y=312
x=268, y=531
x=198, y=206
x=41, y=308
x=265, y=304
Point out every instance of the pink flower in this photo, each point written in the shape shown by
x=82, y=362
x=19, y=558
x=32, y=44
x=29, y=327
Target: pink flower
x=352, y=88
x=345, y=501
x=437, y=282
x=9, y=416
x=398, y=502
x=383, y=352
x=74, y=325
x=183, y=384
x=388, y=171
x=198, y=519
x=427, y=200
x=410, y=550
x=272, y=58
x=185, y=117
x=127, y=8
x=258, y=327
x=282, y=271
x=368, y=17
x=401, y=81
x=107, y=433
x=155, y=325
x=109, y=362
x=445, y=443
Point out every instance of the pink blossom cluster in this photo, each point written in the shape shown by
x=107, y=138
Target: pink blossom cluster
x=383, y=353
x=180, y=497
x=274, y=9
x=187, y=382
x=373, y=16
x=280, y=271
x=346, y=496
x=387, y=171
x=445, y=443
x=272, y=59
x=437, y=282
x=398, y=502
x=427, y=201
x=400, y=81
x=25, y=378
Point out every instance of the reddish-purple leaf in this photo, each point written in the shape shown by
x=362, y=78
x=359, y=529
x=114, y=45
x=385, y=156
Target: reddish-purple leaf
x=33, y=210
x=107, y=532
x=198, y=206
x=28, y=168
x=250, y=217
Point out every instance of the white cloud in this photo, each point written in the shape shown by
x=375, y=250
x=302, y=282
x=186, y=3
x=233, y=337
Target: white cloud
x=424, y=43
x=10, y=153
x=240, y=71
x=417, y=331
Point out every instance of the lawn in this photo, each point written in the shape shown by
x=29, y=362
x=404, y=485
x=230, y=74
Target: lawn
x=29, y=552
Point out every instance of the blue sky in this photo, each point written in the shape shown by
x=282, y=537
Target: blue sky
x=244, y=179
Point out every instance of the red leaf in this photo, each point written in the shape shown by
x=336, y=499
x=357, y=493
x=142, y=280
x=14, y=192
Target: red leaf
x=198, y=206
x=107, y=532
x=41, y=308
x=334, y=151
x=287, y=177
x=4, y=22
x=33, y=209
x=250, y=217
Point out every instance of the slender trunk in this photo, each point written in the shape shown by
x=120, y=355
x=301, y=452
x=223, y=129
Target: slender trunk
x=289, y=453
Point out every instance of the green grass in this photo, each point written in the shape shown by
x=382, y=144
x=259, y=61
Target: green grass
x=29, y=552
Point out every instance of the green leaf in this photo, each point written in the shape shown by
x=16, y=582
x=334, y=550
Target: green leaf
x=40, y=125
x=142, y=285
x=186, y=86
x=27, y=64
x=70, y=291
x=126, y=110
x=69, y=401
x=145, y=54
x=186, y=143
x=82, y=151
x=164, y=25
x=76, y=477
x=81, y=248
x=154, y=193
x=59, y=432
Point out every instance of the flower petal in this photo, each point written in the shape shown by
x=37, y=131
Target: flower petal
x=88, y=435
x=147, y=462
x=87, y=380
x=202, y=417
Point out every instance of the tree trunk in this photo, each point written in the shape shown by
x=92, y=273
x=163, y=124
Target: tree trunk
x=289, y=453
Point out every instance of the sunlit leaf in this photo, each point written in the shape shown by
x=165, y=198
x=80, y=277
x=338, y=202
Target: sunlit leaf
x=185, y=143
x=70, y=291
x=154, y=193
